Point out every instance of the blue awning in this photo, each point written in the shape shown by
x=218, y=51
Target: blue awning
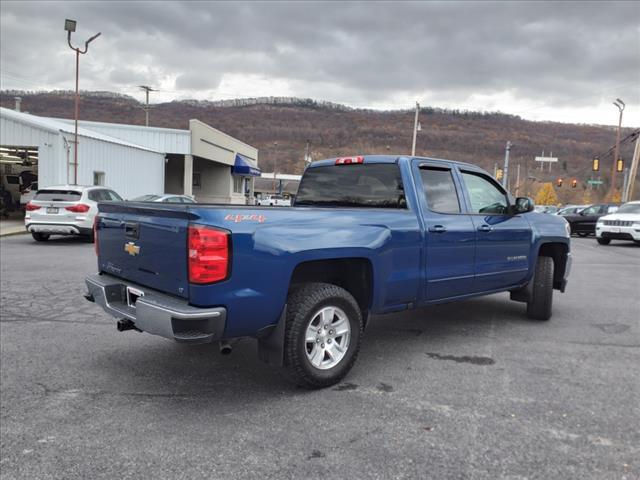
x=243, y=167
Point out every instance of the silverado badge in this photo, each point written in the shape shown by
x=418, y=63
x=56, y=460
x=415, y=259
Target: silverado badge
x=132, y=249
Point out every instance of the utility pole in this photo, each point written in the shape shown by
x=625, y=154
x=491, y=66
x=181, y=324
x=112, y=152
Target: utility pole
x=70, y=26
x=275, y=165
x=307, y=157
x=517, y=189
x=633, y=172
x=505, y=174
x=620, y=104
x=146, y=89
x=416, y=127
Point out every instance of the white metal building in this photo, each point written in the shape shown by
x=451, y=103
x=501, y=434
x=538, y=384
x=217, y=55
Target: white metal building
x=202, y=161
x=136, y=160
x=129, y=169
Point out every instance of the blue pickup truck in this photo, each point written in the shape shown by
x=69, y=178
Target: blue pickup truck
x=366, y=235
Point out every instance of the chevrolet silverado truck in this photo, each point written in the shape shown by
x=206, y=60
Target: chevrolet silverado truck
x=366, y=235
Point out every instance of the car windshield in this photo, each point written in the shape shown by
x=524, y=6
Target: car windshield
x=57, y=196
x=629, y=208
x=146, y=198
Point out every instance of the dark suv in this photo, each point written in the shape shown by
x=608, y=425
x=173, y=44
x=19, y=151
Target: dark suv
x=584, y=223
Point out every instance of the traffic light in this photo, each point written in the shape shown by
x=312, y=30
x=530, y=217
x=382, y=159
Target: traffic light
x=596, y=164
x=574, y=183
x=499, y=174
x=619, y=165
x=559, y=182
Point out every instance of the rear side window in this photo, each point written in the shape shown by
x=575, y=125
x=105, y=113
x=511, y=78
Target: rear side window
x=439, y=190
x=57, y=196
x=376, y=185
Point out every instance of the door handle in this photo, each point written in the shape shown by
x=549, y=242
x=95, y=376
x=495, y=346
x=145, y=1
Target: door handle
x=485, y=228
x=438, y=229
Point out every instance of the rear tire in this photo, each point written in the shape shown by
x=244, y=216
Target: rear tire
x=604, y=241
x=40, y=237
x=312, y=354
x=539, y=307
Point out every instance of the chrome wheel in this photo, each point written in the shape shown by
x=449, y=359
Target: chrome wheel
x=327, y=337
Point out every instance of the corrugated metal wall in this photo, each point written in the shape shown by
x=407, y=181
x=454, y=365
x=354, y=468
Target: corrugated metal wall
x=129, y=171
x=50, y=169
x=166, y=140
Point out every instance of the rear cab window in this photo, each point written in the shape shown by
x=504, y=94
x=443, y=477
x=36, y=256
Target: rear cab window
x=57, y=196
x=368, y=185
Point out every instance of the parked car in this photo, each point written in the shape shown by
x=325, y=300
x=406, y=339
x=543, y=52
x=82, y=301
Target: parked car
x=551, y=209
x=367, y=235
x=624, y=224
x=28, y=193
x=584, y=222
x=275, y=200
x=11, y=184
x=167, y=198
x=571, y=210
x=65, y=210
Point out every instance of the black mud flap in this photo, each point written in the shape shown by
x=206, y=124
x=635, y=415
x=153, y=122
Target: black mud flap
x=271, y=342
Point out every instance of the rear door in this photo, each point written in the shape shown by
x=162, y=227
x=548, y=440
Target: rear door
x=503, y=241
x=449, y=240
x=53, y=203
x=146, y=244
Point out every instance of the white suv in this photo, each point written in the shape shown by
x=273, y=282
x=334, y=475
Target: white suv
x=65, y=210
x=622, y=225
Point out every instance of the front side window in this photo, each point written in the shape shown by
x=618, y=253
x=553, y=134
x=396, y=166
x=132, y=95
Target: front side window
x=591, y=210
x=439, y=190
x=485, y=196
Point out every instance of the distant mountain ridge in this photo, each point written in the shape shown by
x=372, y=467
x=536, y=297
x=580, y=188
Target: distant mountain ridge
x=280, y=127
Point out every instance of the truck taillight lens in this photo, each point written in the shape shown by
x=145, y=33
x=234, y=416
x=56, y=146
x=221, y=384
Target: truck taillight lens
x=30, y=207
x=80, y=208
x=208, y=254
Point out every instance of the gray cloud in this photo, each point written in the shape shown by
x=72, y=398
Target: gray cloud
x=546, y=53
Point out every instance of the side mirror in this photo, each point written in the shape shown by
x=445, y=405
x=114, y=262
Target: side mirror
x=522, y=205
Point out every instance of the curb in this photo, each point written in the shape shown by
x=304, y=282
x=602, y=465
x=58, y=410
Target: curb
x=11, y=234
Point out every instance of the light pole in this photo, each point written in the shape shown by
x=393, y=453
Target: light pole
x=70, y=26
x=505, y=174
x=416, y=128
x=620, y=104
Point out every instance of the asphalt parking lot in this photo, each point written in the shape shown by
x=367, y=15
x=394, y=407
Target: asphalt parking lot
x=465, y=390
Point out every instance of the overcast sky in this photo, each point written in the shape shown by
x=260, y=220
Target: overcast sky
x=544, y=61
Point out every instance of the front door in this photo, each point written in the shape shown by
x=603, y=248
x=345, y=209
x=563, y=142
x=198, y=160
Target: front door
x=503, y=241
x=450, y=235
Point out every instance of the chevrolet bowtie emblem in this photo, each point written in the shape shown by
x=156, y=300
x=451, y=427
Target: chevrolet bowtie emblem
x=132, y=249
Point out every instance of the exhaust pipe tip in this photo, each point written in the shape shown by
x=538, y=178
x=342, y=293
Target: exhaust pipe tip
x=125, y=324
x=225, y=347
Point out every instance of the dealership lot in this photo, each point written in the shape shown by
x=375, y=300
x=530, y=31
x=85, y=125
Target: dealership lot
x=466, y=390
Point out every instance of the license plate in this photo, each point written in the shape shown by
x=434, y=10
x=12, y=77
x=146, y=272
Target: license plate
x=615, y=229
x=132, y=296
x=52, y=210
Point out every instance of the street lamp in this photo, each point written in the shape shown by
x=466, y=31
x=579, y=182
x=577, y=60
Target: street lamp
x=70, y=26
x=620, y=104
x=275, y=165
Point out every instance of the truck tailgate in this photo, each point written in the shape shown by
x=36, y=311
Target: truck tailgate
x=145, y=244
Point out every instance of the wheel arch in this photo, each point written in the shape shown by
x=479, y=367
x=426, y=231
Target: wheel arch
x=558, y=252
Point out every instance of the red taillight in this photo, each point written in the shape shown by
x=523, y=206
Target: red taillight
x=80, y=208
x=30, y=207
x=96, y=220
x=349, y=160
x=208, y=254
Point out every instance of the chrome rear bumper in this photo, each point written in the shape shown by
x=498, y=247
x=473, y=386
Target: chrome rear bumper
x=155, y=312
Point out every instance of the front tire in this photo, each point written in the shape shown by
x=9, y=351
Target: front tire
x=322, y=334
x=604, y=241
x=40, y=237
x=583, y=234
x=539, y=307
